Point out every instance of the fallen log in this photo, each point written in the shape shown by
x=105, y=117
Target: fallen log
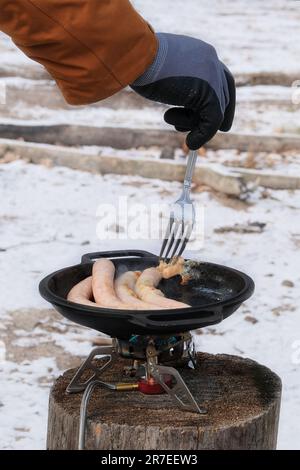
x=215, y=177
x=126, y=138
x=232, y=181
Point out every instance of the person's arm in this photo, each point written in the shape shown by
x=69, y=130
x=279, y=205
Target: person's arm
x=92, y=48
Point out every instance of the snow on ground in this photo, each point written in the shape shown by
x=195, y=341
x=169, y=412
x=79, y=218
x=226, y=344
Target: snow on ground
x=262, y=118
x=246, y=34
x=261, y=109
x=48, y=220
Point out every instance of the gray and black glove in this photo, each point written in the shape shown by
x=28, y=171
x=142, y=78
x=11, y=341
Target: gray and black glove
x=187, y=73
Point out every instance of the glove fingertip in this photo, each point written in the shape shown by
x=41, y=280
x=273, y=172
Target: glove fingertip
x=169, y=116
x=194, y=141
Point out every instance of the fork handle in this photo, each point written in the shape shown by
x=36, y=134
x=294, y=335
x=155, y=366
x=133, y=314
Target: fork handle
x=190, y=167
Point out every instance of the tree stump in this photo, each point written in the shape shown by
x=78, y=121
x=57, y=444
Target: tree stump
x=242, y=399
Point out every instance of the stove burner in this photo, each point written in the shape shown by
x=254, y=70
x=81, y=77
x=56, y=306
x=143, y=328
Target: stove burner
x=167, y=348
x=153, y=358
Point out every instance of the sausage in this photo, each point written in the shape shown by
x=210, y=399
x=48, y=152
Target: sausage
x=145, y=288
x=103, y=285
x=131, y=291
x=171, y=269
x=125, y=290
x=82, y=292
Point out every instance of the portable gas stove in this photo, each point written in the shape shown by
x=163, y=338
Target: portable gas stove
x=152, y=359
x=154, y=340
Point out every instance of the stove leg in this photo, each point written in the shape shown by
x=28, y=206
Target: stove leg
x=76, y=385
x=179, y=392
x=83, y=408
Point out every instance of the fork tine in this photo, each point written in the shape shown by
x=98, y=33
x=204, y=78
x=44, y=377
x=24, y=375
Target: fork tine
x=183, y=241
x=178, y=240
x=167, y=235
x=175, y=254
x=172, y=236
x=186, y=204
x=186, y=239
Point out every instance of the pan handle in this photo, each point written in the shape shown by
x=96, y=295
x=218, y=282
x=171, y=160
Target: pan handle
x=89, y=257
x=146, y=322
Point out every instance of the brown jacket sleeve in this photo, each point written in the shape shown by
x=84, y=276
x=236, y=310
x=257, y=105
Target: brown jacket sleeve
x=92, y=48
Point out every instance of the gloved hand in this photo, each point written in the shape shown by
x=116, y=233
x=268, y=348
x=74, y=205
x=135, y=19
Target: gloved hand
x=187, y=73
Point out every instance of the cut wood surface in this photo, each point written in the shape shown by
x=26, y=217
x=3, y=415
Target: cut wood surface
x=28, y=92
x=127, y=137
x=241, y=396
x=169, y=170
x=232, y=181
x=268, y=179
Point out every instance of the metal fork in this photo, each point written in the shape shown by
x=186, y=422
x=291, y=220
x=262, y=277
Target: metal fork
x=182, y=217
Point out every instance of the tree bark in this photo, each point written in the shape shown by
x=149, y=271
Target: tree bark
x=242, y=399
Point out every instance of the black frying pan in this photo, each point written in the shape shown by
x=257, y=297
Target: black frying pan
x=216, y=294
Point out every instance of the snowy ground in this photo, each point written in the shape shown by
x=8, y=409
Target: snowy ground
x=263, y=109
x=262, y=118
x=49, y=220
x=245, y=33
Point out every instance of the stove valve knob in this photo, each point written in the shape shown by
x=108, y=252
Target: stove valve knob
x=151, y=387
